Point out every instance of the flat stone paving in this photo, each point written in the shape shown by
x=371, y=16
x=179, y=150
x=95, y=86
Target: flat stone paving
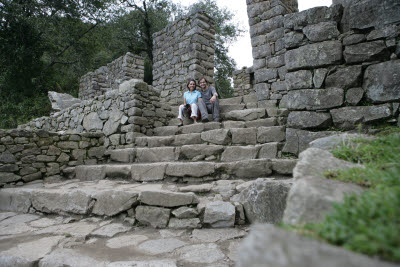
x=39, y=240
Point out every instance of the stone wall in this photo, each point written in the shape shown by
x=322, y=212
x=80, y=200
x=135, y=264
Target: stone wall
x=243, y=81
x=328, y=77
x=109, y=77
x=183, y=50
x=132, y=110
x=26, y=156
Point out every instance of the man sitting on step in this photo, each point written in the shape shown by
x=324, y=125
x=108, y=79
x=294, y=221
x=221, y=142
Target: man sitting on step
x=208, y=103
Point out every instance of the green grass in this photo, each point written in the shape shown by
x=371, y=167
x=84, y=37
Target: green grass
x=368, y=223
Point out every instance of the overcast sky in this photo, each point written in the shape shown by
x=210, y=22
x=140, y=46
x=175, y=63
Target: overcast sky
x=241, y=49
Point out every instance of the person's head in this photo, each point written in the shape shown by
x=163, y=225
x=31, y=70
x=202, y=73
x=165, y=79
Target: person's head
x=203, y=83
x=191, y=85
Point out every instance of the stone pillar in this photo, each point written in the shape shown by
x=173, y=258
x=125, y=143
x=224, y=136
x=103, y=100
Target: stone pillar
x=268, y=45
x=109, y=77
x=183, y=50
x=243, y=80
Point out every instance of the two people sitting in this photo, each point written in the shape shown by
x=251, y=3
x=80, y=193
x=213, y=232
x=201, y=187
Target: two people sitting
x=205, y=100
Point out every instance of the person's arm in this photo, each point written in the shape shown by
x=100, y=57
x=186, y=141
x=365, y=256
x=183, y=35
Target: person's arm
x=215, y=95
x=184, y=100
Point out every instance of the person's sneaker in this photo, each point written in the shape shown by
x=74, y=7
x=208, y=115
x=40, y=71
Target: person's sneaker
x=205, y=120
x=180, y=124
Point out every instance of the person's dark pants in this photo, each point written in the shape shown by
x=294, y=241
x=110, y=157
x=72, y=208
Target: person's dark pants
x=210, y=108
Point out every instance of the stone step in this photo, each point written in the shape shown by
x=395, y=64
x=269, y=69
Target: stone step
x=228, y=108
x=225, y=136
x=158, y=205
x=245, y=115
x=45, y=240
x=183, y=172
x=203, y=127
x=196, y=152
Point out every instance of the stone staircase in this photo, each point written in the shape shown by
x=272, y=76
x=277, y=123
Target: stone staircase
x=181, y=178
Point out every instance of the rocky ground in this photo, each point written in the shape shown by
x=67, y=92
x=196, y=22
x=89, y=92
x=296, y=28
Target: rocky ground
x=35, y=240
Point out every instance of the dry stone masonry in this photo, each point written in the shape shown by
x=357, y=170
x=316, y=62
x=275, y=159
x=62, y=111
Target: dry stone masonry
x=243, y=81
x=109, y=77
x=27, y=156
x=183, y=50
x=329, y=69
x=132, y=110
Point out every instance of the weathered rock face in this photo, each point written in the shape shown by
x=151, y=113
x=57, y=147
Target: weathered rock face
x=219, y=214
x=269, y=245
x=62, y=101
x=345, y=78
x=264, y=200
x=382, y=82
x=372, y=13
x=364, y=52
x=155, y=216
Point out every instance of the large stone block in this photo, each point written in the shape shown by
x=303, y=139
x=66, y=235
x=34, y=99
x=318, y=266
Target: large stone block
x=349, y=117
x=302, y=79
x=153, y=216
x=382, y=82
x=245, y=136
x=156, y=154
x=312, y=198
x=218, y=137
x=193, y=151
x=365, y=14
x=313, y=16
x=265, y=200
x=315, y=99
x=269, y=245
x=363, y=52
x=322, y=31
x=246, y=168
x=298, y=140
x=110, y=202
x=167, y=199
x=314, y=55
x=309, y=120
x=235, y=153
x=92, y=122
x=345, y=78
x=270, y=134
x=148, y=172
x=219, y=214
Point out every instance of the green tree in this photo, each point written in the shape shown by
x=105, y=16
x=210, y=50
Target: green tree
x=38, y=41
x=226, y=32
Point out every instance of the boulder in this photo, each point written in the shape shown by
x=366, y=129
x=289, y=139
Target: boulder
x=331, y=142
x=268, y=245
x=382, y=82
x=311, y=198
x=349, y=117
x=61, y=101
x=219, y=214
x=309, y=120
x=315, y=161
x=264, y=200
x=92, y=122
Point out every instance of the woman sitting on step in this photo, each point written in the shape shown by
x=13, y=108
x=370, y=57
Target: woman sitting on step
x=190, y=99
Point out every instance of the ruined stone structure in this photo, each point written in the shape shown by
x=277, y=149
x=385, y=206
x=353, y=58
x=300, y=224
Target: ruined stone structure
x=115, y=164
x=109, y=77
x=183, y=50
x=325, y=74
x=243, y=81
x=132, y=110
